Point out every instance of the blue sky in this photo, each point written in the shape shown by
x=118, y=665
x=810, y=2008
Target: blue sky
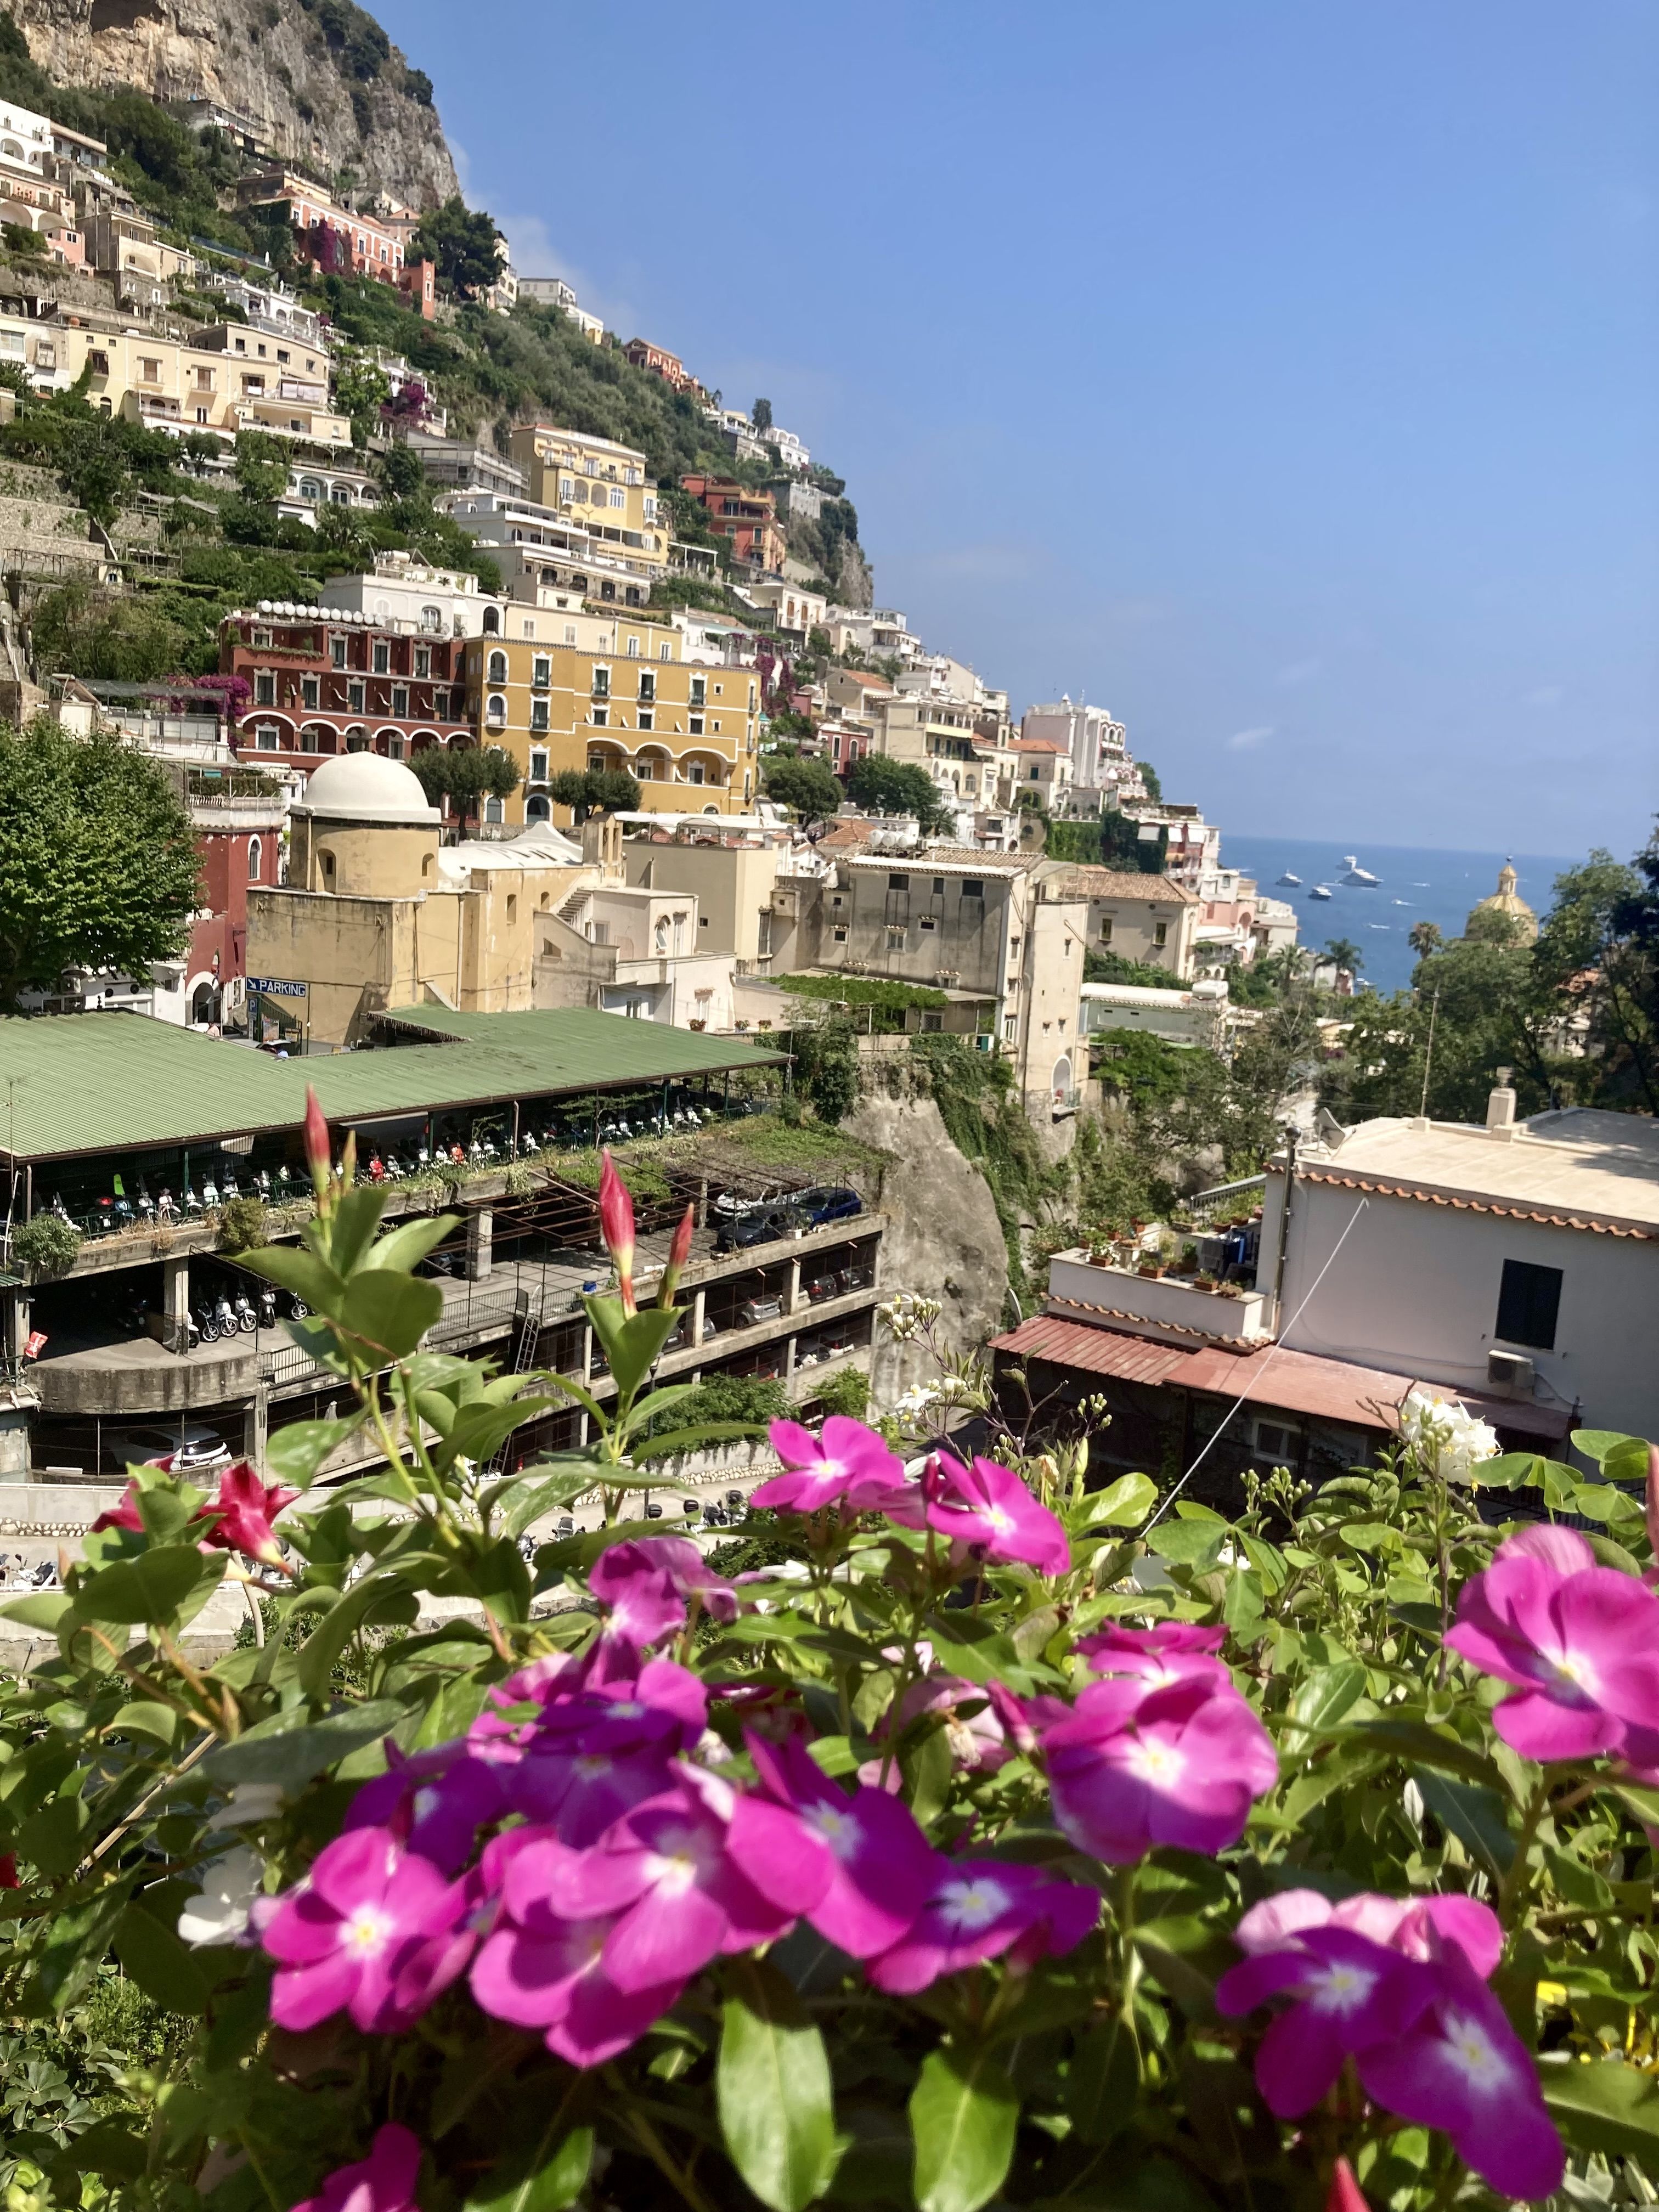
x=1281, y=374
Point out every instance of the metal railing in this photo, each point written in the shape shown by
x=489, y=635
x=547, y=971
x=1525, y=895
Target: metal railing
x=1222, y=1197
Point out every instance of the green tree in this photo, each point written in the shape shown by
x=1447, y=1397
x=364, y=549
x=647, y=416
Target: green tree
x=1149, y=777
x=826, y=1073
x=1598, y=954
x=361, y=388
x=464, y=245
x=98, y=862
x=261, y=467
x=807, y=786
x=1345, y=953
x=595, y=791
x=465, y=776
x=881, y=785
x=761, y=415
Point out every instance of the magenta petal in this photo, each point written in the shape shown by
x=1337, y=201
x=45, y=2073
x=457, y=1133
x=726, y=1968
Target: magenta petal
x=1538, y=1727
x=882, y=1869
x=1251, y=1983
x=1297, y=2061
x=356, y=1866
x=1473, y=1927
x=784, y=1863
x=601, y=2020
x=300, y=1996
x=663, y=1939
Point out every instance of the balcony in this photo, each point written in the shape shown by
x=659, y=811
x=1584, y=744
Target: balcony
x=1158, y=1305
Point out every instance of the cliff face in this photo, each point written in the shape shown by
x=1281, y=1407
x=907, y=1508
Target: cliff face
x=320, y=77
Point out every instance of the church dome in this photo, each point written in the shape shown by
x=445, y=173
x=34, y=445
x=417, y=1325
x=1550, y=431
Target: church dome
x=1507, y=900
x=365, y=788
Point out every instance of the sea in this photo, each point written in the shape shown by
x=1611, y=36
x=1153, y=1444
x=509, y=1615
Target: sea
x=1415, y=883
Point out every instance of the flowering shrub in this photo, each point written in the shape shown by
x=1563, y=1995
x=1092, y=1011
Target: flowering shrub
x=1004, y=1840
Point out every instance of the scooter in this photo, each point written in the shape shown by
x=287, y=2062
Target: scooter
x=122, y=1210
x=206, y=1323
x=165, y=1208
x=376, y=1168
x=262, y=1184
x=224, y=1315
x=210, y=1194
x=394, y=1168
x=146, y=1204
x=267, y=1308
x=297, y=1308
x=246, y=1319
x=232, y=1187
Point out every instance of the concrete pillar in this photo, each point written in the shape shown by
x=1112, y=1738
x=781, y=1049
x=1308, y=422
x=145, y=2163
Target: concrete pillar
x=14, y=1444
x=585, y=1371
x=480, y=1236
x=792, y=1302
x=175, y=1305
x=18, y=1327
x=789, y=1361
x=256, y=1427
x=699, y=1302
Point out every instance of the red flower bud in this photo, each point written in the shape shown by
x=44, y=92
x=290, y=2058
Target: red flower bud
x=678, y=1253
x=1346, y=2196
x=9, y=1871
x=348, y=1161
x=617, y=1226
x=317, y=1158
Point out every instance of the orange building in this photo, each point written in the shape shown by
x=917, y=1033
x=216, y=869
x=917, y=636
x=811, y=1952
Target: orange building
x=748, y=521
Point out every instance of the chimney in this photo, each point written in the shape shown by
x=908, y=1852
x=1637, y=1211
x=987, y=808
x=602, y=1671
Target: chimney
x=1500, y=1104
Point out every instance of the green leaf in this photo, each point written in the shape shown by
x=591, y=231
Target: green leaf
x=149, y=1588
x=1475, y=1817
x=402, y=1249
x=1104, y=2082
x=963, y=2114
x=294, y=1454
x=1320, y=1700
x=1599, y=1444
x=772, y=2087
x=107, y=2147
x=301, y=1271
x=1124, y=1504
x=544, y=2184
x=322, y=1648
x=353, y=1220
x=45, y=1611
x=1512, y=1471
x=52, y=1838
x=163, y=1967
x=1605, y=2105
x=631, y=1345
x=145, y=1716
x=1196, y=1544
x=284, y=1751
x=389, y=1313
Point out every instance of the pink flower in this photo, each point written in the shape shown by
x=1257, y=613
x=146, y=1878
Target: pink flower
x=678, y=1253
x=1349, y=1994
x=678, y=1894
x=340, y=1939
x=319, y=1156
x=538, y=1969
x=597, y=1753
x=123, y=1515
x=688, y=1573
x=1346, y=2194
x=1582, y=1641
x=1652, y=1574
x=977, y=1739
x=988, y=1509
x=1462, y=2068
x=1128, y=1769
x=1416, y=1927
x=617, y=1226
x=242, y=1514
x=433, y=1802
x=977, y=1910
x=859, y=1867
x=847, y=1465
x=382, y=2182
x=1170, y=1652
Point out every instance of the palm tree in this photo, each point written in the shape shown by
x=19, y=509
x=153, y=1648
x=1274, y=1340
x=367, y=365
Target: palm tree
x=1345, y=954
x=1425, y=937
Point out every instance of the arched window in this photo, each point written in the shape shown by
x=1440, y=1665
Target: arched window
x=492, y=624
x=325, y=861
x=311, y=488
x=268, y=737
x=317, y=737
x=497, y=668
x=255, y=859
x=495, y=712
x=662, y=933
x=341, y=494
x=495, y=810
x=357, y=740
x=432, y=619
x=538, y=808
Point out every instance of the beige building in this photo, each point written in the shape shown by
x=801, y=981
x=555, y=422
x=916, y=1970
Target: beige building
x=596, y=482
x=375, y=914
x=1148, y=919
x=613, y=692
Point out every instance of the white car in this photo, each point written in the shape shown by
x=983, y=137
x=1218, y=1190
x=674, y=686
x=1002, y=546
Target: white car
x=189, y=1448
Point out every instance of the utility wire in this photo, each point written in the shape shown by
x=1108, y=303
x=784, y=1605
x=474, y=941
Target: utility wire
x=1279, y=1347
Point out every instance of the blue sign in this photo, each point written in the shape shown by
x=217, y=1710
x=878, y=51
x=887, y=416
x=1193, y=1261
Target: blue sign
x=274, y=986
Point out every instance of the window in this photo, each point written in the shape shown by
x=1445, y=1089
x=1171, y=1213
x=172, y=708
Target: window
x=1106, y=929
x=527, y=629
x=497, y=669
x=648, y=686
x=204, y=380
x=255, y=855
x=357, y=695
x=718, y=689
x=1528, y=1304
x=541, y=672
x=662, y=652
x=267, y=737
x=538, y=714
x=647, y=719
x=495, y=712
x=840, y=933
x=311, y=691
x=423, y=661
x=619, y=497
x=492, y=621
x=495, y=810
x=570, y=632
x=539, y=764
x=382, y=657
x=1010, y=1028
x=696, y=773
x=898, y=883
x=400, y=698
x=513, y=906
x=149, y=369
x=394, y=748
x=336, y=652
x=1276, y=1443
x=972, y=888
x=1160, y=934
x=633, y=649
x=600, y=717
x=699, y=691
x=696, y=725
x=938, y=887
x=929, y=922
x=264, y=687
x=601, y=683
x=1068, y=955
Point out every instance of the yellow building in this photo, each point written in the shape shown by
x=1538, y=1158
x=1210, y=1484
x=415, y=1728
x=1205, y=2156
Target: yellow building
x=613, y=693
x=377, y=914
x=596, y=482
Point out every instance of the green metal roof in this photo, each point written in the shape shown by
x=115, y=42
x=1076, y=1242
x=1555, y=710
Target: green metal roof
x=118, y=1082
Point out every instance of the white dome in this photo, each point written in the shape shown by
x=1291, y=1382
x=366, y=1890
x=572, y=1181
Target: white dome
x=364, y=787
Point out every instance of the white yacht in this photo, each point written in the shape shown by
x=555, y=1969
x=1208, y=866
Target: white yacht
x=1320, y=892
x=1292, y=883
x=1357, y=874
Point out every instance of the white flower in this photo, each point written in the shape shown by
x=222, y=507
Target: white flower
x=219, y=1913
x=1445, y=1437
x=250, y=1802
x=907, y=1315
x=917, y=1399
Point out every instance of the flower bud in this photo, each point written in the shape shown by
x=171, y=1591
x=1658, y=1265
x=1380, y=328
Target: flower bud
x=1346, y=2194
x=678, y=1253
x=317, y=1158
x=617, y=1226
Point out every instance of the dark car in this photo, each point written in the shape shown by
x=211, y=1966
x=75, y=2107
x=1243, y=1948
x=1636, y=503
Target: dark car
x=766, y=1225
x=828, y=1203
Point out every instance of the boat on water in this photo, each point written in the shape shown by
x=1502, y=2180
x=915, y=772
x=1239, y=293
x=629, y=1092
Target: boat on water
x=1398, y=901
x=1293, y=883
x=1357, y=874
x=1320, y=892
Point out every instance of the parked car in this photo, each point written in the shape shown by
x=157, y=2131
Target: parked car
x=189, y=1448
x=769, y=1225
x=827, y=1202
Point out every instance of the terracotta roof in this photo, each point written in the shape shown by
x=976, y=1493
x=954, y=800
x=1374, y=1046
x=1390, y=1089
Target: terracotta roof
x=1036, y=745
x=1270, y=1376
x=1602, y=1228
x=1083, y=882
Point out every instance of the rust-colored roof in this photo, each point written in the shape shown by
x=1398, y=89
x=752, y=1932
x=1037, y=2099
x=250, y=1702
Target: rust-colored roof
x=1100, y=1351
x=1036, y=745
x=1601, y=1226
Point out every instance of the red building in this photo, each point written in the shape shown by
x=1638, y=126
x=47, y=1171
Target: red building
x=748, y=521
x=239, y=837
x=323, y=682
x=661, y=363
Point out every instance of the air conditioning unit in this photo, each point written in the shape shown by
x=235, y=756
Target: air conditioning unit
x=1511, y=1372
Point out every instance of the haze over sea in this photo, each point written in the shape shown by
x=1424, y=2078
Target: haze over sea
x=1419, y=883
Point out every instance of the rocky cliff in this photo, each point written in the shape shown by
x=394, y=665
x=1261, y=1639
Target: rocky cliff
x=320, y=77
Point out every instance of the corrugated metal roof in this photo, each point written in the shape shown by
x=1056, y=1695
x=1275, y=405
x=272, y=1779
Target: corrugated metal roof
x=1099, y=1351
x=116, y=1082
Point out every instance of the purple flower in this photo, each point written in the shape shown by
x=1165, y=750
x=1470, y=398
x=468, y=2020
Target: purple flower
x=537, y=1970
x=1462, y=2068
x=1170, y=1652
x=987, y=1508
x=847, y=1465
x=1130, y=1769
x=382, y=2182
x=859, y=1867
x=597, y=1752
x=1416, y=1927
x=977, y=1910
x=341, y=1939
x=435, y=1802
x=1581, y=1641
x=1349, y=1995
x=676, y=1895
x=977, y=1739
x=677, y=1557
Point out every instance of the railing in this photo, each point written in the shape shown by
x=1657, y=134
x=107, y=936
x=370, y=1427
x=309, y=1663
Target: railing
x=1224, y=1197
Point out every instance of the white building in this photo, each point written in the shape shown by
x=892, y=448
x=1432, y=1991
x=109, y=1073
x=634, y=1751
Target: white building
x=1516, y=1263
x=443, y=602
x=547, y=292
